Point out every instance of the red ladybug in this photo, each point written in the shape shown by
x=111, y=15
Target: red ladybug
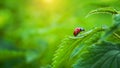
x=77, y=31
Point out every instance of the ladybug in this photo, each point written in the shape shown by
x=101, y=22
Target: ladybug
x=77, y=31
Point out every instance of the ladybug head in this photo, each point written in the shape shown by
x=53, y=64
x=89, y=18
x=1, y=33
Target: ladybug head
x=82, y=29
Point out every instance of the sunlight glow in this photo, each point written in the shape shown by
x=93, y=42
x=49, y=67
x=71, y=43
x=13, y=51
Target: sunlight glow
x=49, y=6
x=48, y=1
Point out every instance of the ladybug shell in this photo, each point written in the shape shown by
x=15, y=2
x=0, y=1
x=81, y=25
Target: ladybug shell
x=77, y=31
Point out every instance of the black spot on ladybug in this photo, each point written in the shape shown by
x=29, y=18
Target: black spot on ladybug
x=77, y=31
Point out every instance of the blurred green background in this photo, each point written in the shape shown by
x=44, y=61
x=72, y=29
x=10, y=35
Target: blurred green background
x=31, y=30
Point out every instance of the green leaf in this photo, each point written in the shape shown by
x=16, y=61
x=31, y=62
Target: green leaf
x=69, y=44
x=113, y=28
x=106, y=60
x=100, y=55
x=106, y=10
x=115, y=63
x=81, y=48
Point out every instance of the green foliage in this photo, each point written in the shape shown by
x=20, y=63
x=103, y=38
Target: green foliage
x=108, y=10
x=31, y=30
x=70, y=43
x=101, y=55
x=91, y=49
